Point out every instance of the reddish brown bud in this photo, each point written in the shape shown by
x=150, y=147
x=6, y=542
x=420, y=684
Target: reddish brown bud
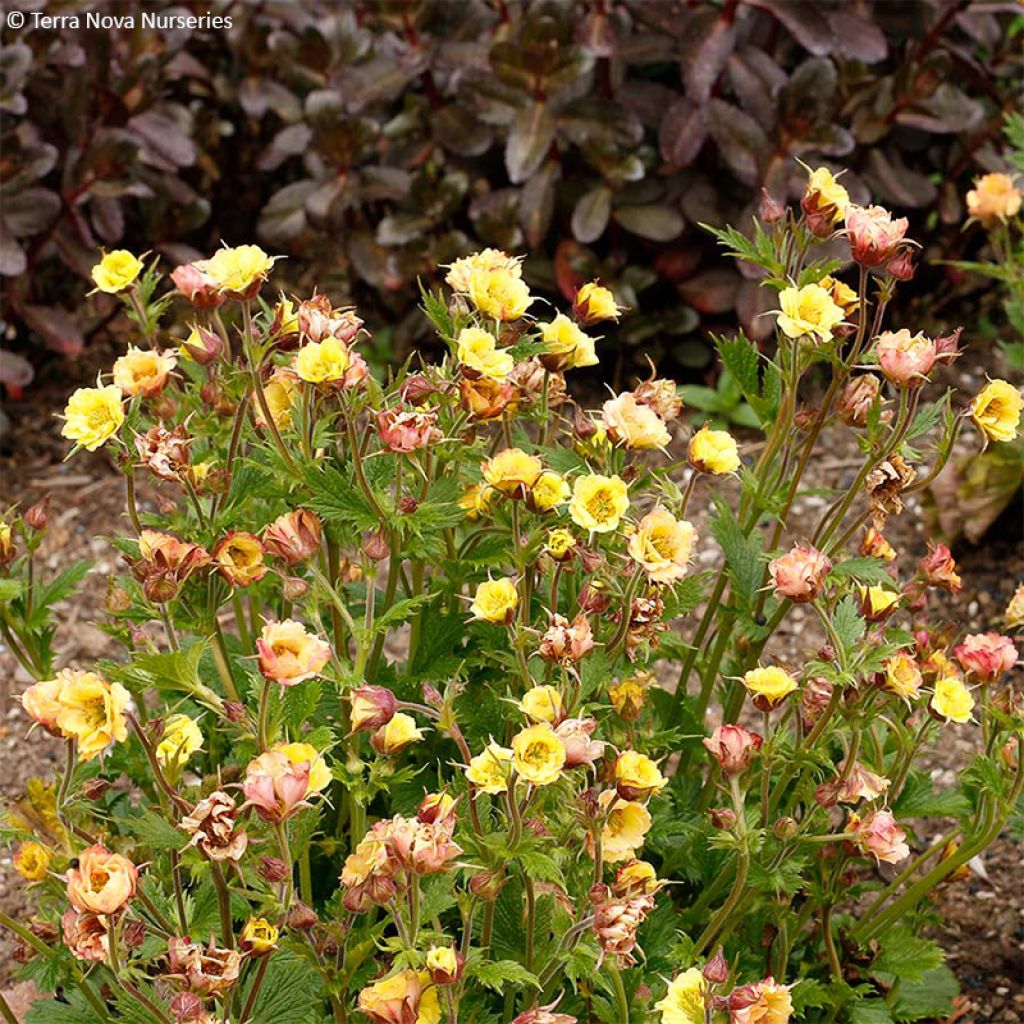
x=93, y=789
x=486, y=885
x=376, y=546
x=408, y=505
x=38, y=516
x=301, y=917
x=583, y=427
x=293, y=588
x=234, y=711
x=769, y=208
x=716, y=970
x=785, y=828
x=273, y=870
x=187, y=1007
x=723, y=818
x=901, y=266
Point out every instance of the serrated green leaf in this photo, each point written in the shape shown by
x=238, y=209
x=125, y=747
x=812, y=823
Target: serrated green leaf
x=495, y=974
x=289, y=992
x=848, y=623
x=907, y=956
x=743, y=558
x=863, y=569
x=929, y=999
x=154, y=831
x=10, y=588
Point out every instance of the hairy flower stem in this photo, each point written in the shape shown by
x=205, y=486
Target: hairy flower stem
x=254, y=991
x=620, y=991
x=223, y=663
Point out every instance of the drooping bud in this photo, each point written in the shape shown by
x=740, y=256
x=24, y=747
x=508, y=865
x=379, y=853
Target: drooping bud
x=769, y=208
x=733, y=747
x=857, y=398
x=38, y=516
x=716, y=970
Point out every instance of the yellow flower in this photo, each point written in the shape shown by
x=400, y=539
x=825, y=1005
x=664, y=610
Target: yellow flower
x=394, y=1000
x=714, y=451
x=770, y=684
x=684, y=1001
x=499, y=293
x=116, y=271
x=181, y=738
x=142, y=371
x=1014, y=615
x=542, y=704
x=808, y=310
x=238, y=271
x=286, y=318
x=443, y=964
x=566, y=347
x=902, y=676
x=495, y=601
x=952, y=700
x=637, y=878
x=92, y=711
x=560, y=544
x=876, y=602
x=478, y=351
x=826, y=194
x=398, y=734
x=32, y=861
x=319, y=774
x=280, y=392
x=461, y=271
x=538, y=754
x=993, y=198
x=663, y=544
x=634, y=425
x=477, y=501
x=512, y=472
x=92, y=415
x=489, y=771
x=629, y=695
x=259, y=935
x=599, y=502
x=625, y=827
x=842, y=294
x=637, y=777
x=594, y=302
x=550, y=490
x=323, y=361
x=996, y=410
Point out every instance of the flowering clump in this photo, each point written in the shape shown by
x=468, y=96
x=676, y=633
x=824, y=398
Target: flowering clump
x=443, y=697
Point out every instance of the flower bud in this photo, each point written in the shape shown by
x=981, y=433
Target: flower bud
x=733, y=748
x=234, y=711
x=273, y=870
x=408, y=505
x=716, y=970
x=187, y=1007
x=93, y=789
x=770, y=209
x=785, y=828
x=376, y=546
x=432, y=696
x=487, y=884
x=301, y=918
x=38, y=516
x=857, y=398
x=583, y=427
x=294, y=537
x=947, y=348
x=901, y=266
x=723, y=818
x=372, y=708
x=444, y=965
x=417, y=390
x=293, y=588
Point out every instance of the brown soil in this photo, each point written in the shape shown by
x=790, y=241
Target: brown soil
x=983, y=932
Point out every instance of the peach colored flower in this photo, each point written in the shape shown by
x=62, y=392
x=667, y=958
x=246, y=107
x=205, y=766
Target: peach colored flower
x=800, y=574
x=102, y=882
x=288, y=654
x=294, y=537
x=879, y=835
x=986, y=656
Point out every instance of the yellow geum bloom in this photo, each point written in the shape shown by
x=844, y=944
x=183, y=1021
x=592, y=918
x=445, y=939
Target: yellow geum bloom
x=663, y=544
x=876, y=602
x=626, y=825
x=394, y=1000
x=637, y=777
x=324, y=361
x=996, y=410
x=952, y=700
x=994, y=197
x=566, y=347
x=542, y=704
x=319, y=773
x=538, y=755
x=499, y=293
x=634, y=425
x=461, y=271
x=594, y=302
x=560, y=544
x=181, y=738
x=397, y=734
x=280, y=392
x=259, y=935
x=902, y=676
x=238, y=271
x=599, y=502
x=629, y=695
x=478, y=351
x=684, y=1000
x=714, y=451
x=142, y=371
x=495, y=601
x=116, y=271
x=32, y=860
x=512, y=471
x=808, y=311
x=827, y=194
x=769, y=683
x=477, y=501
x=92, y=711
x=550, y=490
x=92, y=415
x=489, y=771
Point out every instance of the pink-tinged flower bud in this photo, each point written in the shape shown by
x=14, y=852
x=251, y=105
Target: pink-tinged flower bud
x=939, y=569
x=436, y=808
x=134, y=934
x=405, y=431
x=203, y=345
x=785, y=828
x=986, y=656
x=302, y=918
x=583, y=427
x=234, y=711
x=38, y=516
x=294, y=537
x=197, y=286
x=376, y=546
x=875, y=236
x=733, y=747
x=432, y=696
x=814, y=699
x=372, y=708
x=187, y=1008
x=293, y=588
x=723, y=818
x=947, y=348
x=487, y=884
x=1010, y=753
x=590, y=559
x=800, y=574
x=716, y=970
x=417, y=390
x=444, y=965
x=857, y=398
x=273, y=870
x=575, y=734
x=906, y=359
x=879, y=835
x=901, y=266
x=544, y=1015
x=769, y=208
x=594, y=600
x=408, y=505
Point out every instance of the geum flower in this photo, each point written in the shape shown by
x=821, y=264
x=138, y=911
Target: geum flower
x=239, y=558
x=875, y=235
x=626, y=824
x=994, y=198
x=662, y=546
x=800, y=574
x=276, y=787
x=294, y=537
x=538, y=755
x=879, y=835
x=92, y=415
x=599, y=502
x=206, y=971
x=91, y=711
x=479, y=356
x=143, y=371
x=165, y=563
x=906, y=359
x=633, y=425
x=809, y=311
x=714, y=451
x=594, y=302
x=289, y=654
x=986, y=656
x=212, y=827
x=405, y=430
x=996, y=410
x=408, y=997
x=101, y=882
x=116, y=271
x=733, y=748
x=238, y=272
